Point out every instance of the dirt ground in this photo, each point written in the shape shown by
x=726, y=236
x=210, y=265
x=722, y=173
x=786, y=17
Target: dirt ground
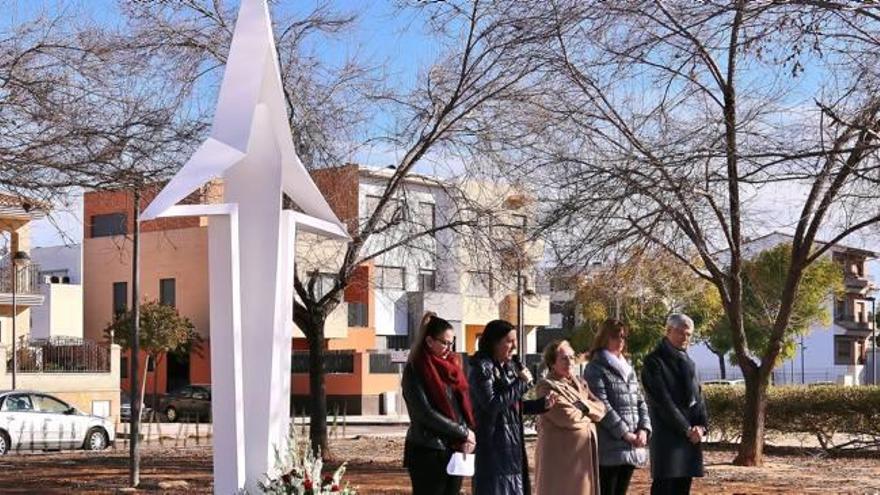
x=374, y=467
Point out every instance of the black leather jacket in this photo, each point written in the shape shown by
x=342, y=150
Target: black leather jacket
x=497, y=395
x=428, y=427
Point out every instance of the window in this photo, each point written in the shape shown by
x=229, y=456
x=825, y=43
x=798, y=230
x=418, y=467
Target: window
x=109, y=224
x=427, y=216
x=394, y=209
x=167, y=291
x=48, y=404
x=324, y=283
x=427, y=280
x=397, y=341
x=358, y=316
x=844, y=350
x=390, y=277
x=479, y=284
x=201, y=393
x=21, y=402
x=839, y=309
x=120, y=298
x=563, y=283
x=185, y=392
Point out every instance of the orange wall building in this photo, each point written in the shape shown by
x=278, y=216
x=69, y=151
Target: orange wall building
x=174, y=269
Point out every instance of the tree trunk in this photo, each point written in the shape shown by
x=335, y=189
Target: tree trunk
x=317, y=389
x=751, y=448
x=143, y=384
x=155, y=386
x=722, y=366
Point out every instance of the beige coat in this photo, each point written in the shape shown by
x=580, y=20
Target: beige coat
x=567, y=458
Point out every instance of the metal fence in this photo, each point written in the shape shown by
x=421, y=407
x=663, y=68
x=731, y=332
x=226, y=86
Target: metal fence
x=61, y=355
x=340, y=362
x=27, y=279
x=781, y=375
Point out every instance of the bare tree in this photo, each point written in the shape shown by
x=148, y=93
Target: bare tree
x=679, y=119
x=490, y=60
x=188, y=41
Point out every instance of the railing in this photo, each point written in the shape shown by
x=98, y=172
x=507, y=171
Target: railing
x=340, y=362
x=60, y=355
x=380, y=363
x=27, y=279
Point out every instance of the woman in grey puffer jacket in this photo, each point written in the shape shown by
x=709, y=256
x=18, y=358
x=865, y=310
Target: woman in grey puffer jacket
x=624, y=431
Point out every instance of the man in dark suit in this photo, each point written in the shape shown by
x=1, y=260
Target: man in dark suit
x=677, y=410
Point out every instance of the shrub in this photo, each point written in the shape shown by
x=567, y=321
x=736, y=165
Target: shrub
x=821, y=411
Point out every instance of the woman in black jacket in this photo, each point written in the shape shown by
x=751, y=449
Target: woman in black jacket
x=438, y=401
x=497, y=386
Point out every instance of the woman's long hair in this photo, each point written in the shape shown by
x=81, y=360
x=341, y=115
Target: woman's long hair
x=609, y=328
x=493, y=333
x=432, y=325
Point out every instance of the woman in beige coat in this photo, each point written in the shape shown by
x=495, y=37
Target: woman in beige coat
x=567, y=458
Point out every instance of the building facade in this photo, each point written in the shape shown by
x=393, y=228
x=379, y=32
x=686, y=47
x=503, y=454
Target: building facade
x=381, y=307
x=51, y=354
x=833, y=353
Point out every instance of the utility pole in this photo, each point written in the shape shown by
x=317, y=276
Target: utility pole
x=873, y=340
x=134, y=444
x=803, y=380
x=520, y=312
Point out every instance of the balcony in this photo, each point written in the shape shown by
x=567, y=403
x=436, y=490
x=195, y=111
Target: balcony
x=858, y=324
x=446, y=304
x=335, y=326
x=856, y=283
x=27, y=286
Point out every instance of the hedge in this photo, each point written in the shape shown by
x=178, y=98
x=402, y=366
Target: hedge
x=822, y=411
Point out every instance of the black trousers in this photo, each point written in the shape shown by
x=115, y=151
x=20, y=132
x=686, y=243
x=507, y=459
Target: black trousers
x=671, y=486
x=427, y=472
x=614, y=480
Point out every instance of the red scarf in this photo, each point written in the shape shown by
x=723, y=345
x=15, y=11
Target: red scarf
x=438, y=372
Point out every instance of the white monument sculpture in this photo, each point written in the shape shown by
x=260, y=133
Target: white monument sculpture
x=251, y=251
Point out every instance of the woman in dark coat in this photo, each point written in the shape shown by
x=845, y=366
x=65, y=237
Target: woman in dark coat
x=678, y=411
x=497, y=388
x=624, y=431
x=438, y=402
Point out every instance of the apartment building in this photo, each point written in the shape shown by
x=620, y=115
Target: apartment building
x=381, y=307
x=51, y=353
x=828, y=353
x=16, y=215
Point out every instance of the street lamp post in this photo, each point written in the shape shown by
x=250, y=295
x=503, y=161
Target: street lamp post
x=20, y=259
x=873, y=340
x=520, y=327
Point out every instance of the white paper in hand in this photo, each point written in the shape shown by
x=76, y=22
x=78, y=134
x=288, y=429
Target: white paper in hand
x=460, y=464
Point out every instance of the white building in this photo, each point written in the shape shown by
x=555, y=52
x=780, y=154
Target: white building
x=60, y=282
x=463, y=277
x=832, y=353
x=448, y=273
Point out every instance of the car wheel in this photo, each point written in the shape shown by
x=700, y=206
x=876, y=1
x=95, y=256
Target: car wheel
x=4, y=443
x=171, y=414
x=96, y=439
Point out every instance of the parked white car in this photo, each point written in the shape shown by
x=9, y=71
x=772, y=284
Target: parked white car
x=32, y=420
